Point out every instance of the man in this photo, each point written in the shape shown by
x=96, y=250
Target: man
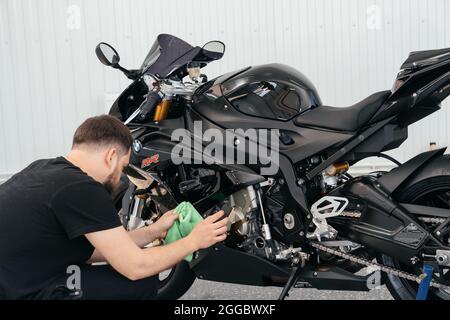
x=57, y=215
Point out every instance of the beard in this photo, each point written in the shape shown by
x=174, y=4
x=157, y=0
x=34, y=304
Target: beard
x=111, y=186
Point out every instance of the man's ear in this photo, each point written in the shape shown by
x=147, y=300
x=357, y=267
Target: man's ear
x=112, y=158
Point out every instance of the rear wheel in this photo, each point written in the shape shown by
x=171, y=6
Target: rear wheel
x=433, y=192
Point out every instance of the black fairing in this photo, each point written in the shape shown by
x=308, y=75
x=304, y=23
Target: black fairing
x=212, y=106
x=129, y=100
x=419, y=59
x=421, y=86
x=272, y=91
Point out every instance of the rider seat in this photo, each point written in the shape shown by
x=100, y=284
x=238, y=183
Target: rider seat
x=346, y=118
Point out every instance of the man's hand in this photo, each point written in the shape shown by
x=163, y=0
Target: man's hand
x=165, y=223
x=209, y=232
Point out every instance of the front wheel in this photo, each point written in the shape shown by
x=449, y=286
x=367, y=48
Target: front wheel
x=433, y=192
x=174, y=283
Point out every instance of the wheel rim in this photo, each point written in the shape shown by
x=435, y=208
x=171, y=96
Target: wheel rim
x=164, y=277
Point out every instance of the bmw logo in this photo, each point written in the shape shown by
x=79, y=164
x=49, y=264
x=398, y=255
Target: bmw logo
x=137, y=146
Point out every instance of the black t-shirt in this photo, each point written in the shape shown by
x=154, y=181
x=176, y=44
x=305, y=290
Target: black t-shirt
x=45, y=211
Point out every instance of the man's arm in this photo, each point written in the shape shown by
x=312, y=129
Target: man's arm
x=141, y=237
x=144, y=236
x=135, y=263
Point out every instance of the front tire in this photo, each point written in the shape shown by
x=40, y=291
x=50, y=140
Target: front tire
x=180, y=278
x=177, y=283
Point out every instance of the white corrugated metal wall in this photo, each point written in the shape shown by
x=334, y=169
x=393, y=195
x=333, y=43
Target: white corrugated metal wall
x=50, y=79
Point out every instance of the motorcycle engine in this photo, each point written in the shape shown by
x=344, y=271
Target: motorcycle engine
x=245, y=227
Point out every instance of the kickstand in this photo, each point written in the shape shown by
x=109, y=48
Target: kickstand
x=290, y=283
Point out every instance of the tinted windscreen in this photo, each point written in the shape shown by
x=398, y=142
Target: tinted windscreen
x=167, y=54
x=152, y=56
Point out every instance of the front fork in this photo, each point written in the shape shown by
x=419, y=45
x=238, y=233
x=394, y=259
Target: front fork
x=162, y=110
x=133, y=204
x=135, y=220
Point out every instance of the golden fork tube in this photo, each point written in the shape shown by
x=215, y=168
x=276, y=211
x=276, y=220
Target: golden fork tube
x=162, y=110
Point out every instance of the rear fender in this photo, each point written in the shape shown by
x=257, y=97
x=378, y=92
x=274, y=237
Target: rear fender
x=438, y=167
x=406, y=173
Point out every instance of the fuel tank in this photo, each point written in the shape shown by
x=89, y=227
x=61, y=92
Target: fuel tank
x=274, y=92
x=265, y=97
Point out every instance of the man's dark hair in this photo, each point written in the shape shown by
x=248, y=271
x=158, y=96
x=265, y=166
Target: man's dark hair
x=103, y=131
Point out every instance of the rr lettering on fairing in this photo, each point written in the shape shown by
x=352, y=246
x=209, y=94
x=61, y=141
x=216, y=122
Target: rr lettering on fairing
x=150, y=161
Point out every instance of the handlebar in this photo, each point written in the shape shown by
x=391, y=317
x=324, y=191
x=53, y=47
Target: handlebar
x=163, y=91
x=153, y=99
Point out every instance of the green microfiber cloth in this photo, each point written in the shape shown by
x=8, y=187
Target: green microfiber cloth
x=189, y=218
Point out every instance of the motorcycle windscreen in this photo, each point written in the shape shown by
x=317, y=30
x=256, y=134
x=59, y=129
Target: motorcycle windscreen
x=167, y=55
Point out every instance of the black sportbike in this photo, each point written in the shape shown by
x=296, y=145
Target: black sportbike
x=309, y=223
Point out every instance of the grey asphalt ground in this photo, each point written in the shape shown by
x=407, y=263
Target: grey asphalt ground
x=205, y=290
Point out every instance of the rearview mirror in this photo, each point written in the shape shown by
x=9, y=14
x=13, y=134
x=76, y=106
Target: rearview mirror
x=214, y=50
x=107, y=55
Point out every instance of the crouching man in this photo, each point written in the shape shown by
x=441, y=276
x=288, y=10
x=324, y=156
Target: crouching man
x=58, y=214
